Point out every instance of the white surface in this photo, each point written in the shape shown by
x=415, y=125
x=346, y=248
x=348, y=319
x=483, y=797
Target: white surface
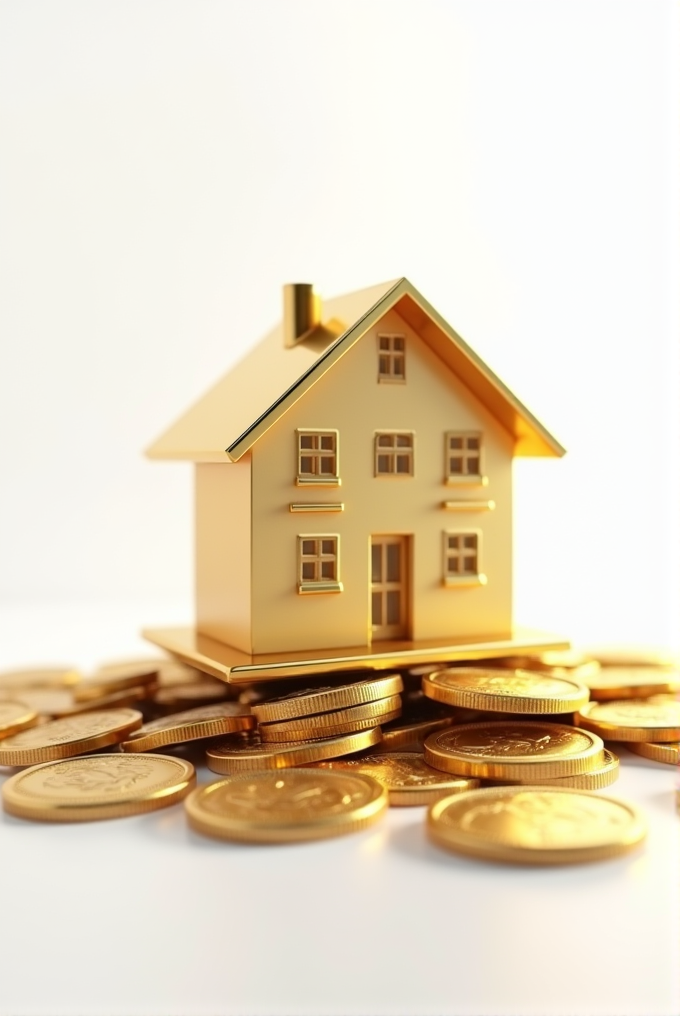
x=141, y=917
x=166, y=165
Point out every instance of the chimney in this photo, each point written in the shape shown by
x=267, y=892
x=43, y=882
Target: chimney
x=301, y=312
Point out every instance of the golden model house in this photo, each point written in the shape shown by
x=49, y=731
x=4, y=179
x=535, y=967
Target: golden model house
x=353, y=494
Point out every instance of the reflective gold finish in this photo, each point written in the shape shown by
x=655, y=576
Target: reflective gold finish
x=247, y=753
x=406, y=775
x=322, y=700
x=16, y=716
x=229, y=664
x=668, y=752
x=65, y=738
x=650, y=719
x=514, y=750
x=515, y=691
x=191, y=725
x=97, y=787
x=595, y=779
x=286, y=806
x=307, y=731
x=632, y=682
x=115, y=679
x=317, y=506
x=535, y=825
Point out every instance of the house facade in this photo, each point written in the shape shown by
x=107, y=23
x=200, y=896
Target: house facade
x=372, y=502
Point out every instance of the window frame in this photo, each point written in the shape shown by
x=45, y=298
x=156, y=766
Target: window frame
x=393, y=356
x=320, y=584
x=394, y=452
x=316, y=479
x=464, y=479
x=457, y=579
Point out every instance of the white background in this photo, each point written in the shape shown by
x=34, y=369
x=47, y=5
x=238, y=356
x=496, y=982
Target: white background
x=164, y=168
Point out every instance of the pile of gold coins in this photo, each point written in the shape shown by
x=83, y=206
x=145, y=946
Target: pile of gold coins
x=507, y=754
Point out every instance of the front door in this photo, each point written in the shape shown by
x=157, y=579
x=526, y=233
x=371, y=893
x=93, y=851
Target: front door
x=389, y=587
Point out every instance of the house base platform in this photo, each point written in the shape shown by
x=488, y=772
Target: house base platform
x=235, y=667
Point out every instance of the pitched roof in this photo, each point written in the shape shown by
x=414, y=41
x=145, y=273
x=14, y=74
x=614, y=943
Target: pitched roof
x=228, y=420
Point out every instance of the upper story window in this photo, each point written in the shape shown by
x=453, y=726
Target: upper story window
x=317, y=457
x=391, y=357
x=394, y=453
x=463, y=455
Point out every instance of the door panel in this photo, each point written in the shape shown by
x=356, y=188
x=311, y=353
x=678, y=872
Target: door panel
x=389, y=587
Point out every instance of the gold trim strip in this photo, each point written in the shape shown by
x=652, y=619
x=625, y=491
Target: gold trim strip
x=302, y=506
x=321, y=481
x=465, y=580
x=468, y=506
x=320, y=587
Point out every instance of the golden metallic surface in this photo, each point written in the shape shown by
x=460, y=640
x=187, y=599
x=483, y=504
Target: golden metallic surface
x=668, y=752
x=39, y=677
x=196, y=693
x=269, y=732
x=116, y=679
x=408, y=778
x=170, y=671
x=517, y=691
x=535, y=825
x=286, y=806
x=321, y=700
x=595, y=779
x=16, y=716
x=514, y=750
x=247, y=753
x=97, y=787
x=191, y=725
x=632, y=682
x=410, y=732
x=236, y=667
x=368, y=710
x=612, y=656
x=649, y=719
x=59, y=702
x=558, y=662
x=74, y=735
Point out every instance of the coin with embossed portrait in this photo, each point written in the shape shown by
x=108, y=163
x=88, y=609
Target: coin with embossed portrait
x=64, y=738
x=649, y=719
x=514, y=750
x=535, y=825
x=191, y=725
x=16, y=716
x=286, y=806
x=96, y=787
x=407, y=776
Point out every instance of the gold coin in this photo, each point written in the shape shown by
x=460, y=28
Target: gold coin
x=595, y=779
x=64, y=738
x=59, y=702
x=516, y=750
x=16, y=716
x=535, y=825
x=246, y=753
x=170, y=672
x=517, y=692
x=191, y=725
x=98, y=786
x=184, y=696
x=322, y=700
x=632, y=657
x=558, y=662
x=406, y=775
x=39, y=677
x=286, y=806
x=331, y=719
x=649, y=719
x=632, y=682
x=116, y=679
x=269, y=732
x=668, y=752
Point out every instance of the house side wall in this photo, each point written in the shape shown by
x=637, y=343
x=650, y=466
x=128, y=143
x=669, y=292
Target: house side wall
x=350, y=399
x=223, y=536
